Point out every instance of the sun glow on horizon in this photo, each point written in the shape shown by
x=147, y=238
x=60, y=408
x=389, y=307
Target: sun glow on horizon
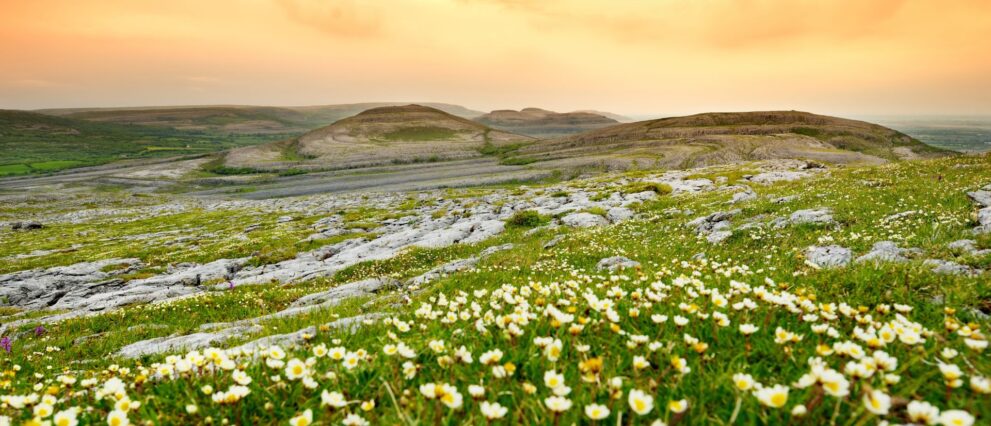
x=633, y=57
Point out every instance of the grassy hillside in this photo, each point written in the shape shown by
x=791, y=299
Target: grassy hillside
x=39, y=143
x=541, y=332
x=715, y=138
x=384, y=135
x=542, y=123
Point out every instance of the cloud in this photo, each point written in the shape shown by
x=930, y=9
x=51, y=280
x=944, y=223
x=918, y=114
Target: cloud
x=335, y=17
x=716, y=23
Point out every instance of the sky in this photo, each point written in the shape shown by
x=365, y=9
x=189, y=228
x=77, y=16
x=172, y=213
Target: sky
x=634, y=57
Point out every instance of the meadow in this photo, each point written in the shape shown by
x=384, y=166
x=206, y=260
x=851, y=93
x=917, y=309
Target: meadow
x=742, y=332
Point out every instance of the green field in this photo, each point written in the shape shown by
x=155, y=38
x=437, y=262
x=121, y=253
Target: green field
x=34, y=143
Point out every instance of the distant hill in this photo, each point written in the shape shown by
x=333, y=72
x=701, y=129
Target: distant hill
x=617, y=117
x=391, y=134
x=714, y=138
x=38, y=143
x=236, y=119
x=542, y=123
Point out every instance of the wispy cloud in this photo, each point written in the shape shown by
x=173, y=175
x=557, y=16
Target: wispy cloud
x=336, y=17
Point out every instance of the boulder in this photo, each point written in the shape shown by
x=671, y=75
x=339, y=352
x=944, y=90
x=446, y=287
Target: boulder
x=743, y=196
x=619, y=214
x=584, y=220
x=947, y=267
x=616, y=262
x=831, y=256
x=821, y=216
x=888, y=251
x=982, y=197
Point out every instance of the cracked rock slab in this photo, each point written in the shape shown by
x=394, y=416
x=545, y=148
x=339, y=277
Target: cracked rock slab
x=171, y=344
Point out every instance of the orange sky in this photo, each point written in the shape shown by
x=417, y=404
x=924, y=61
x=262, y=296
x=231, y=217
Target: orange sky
x=845, y=57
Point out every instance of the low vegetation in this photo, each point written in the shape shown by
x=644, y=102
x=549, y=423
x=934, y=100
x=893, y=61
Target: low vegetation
x=742, y=332
x=37, y=143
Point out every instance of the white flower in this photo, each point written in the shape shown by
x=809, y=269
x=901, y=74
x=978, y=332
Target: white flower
x=295, y=369
x=774, y=396
x=748, y=329
x=66, y=417
x=678, y=406
x=304, y=419
x=43, y=410
x=476, y=391
x=977, y=345
x=596, y=411
x=640, y=402
x=118, y=418
x=354, y=420
x=956, y=418
x=639, y=362
x=241, y=378
x=799, y=410
x=877, y=402
x=557, y=404
x=743, y=382
x=553, y=380
x=333, y=399
x=492, y=410
x=922, y=412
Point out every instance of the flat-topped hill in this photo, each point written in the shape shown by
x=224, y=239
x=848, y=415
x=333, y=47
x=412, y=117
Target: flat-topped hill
x=391, y=134
x=543, y=123
x=713, y=138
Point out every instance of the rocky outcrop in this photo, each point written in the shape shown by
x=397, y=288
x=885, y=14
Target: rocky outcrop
x=967, y=247
x=983, y=199
x=888, y=251
x=584, y=220
x=714, y=227
x=42, y=288
x=777, y=176
x=182, y=343
x=820, y=217
x=832, y=256
x=947, y=267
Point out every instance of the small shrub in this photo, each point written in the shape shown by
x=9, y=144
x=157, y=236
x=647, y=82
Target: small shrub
x=598, y=210
x=659, y=188
x=526, y=219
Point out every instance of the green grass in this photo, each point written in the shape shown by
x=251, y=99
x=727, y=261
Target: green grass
x=420, y=134
x=520, y=285
x=35, y=143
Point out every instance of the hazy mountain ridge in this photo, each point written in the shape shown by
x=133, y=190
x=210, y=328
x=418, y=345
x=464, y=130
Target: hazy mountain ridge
x=239, y=119
x=543, y=123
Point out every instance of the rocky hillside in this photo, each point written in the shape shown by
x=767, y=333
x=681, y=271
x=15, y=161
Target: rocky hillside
x=237, y=119
x=759, y=293
x=542, y=123
x=392, y=134
x=716, y=138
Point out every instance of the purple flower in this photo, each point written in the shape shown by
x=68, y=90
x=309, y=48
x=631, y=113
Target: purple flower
x=230, y=285
x=39, y=330
x=5, y=343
